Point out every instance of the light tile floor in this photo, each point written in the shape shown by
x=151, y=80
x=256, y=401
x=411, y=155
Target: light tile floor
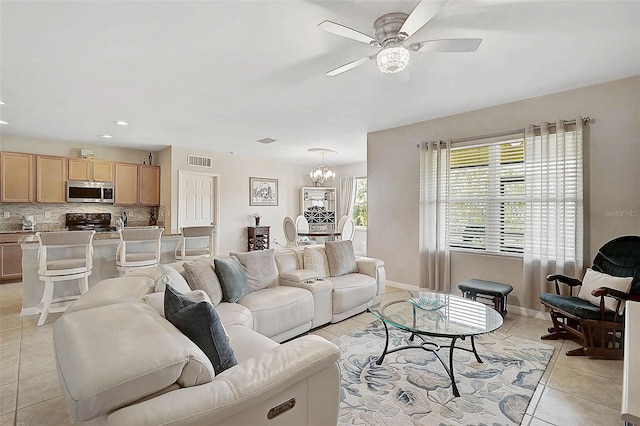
x=572, y=391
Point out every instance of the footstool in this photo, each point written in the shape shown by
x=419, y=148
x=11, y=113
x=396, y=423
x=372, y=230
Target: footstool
x=497, y=292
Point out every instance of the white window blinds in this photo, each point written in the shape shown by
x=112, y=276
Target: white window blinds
x=486, y=188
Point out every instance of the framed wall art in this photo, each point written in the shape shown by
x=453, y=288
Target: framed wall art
x=263, y=191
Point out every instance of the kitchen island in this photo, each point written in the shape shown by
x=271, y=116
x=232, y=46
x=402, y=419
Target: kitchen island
x=105, y=245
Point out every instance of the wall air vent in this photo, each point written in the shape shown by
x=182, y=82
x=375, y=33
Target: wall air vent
x=266, y=140
x=199, y=161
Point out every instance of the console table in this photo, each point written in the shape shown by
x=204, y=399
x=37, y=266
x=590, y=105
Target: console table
x=257, y=238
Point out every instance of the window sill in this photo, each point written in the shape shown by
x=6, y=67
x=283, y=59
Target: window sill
x=485, y=253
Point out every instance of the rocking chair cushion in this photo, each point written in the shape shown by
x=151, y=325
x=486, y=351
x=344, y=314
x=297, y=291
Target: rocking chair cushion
x=594, y=279
x=577, y=307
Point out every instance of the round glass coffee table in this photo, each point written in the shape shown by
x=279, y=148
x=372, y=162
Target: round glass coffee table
x=428, y=314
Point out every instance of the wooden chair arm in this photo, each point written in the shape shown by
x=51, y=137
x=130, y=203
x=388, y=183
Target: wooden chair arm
x=609, y=292
x=570, y=281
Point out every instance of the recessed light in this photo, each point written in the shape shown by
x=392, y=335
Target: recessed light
x=4, y=122
x=106, y=136
x=121, y=123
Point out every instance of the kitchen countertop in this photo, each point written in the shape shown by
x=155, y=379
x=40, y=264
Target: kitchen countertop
x=30, y=237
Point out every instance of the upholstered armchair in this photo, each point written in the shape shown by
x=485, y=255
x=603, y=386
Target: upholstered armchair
x=595, y=315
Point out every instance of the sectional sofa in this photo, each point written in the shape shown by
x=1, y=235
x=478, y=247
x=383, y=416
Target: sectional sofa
x=120, y=361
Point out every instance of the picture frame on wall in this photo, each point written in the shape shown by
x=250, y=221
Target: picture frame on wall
x=263, y=191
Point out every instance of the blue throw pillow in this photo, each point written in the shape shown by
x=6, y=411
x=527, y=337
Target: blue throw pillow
x=200, y=322
x=232, y=279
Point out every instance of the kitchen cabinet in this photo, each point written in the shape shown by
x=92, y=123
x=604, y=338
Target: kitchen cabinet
x=137, y=184
x=90, y=170
x=126, y=183
x=17, y=177
x=149, y=185
x=10, y=258
x=51, y=175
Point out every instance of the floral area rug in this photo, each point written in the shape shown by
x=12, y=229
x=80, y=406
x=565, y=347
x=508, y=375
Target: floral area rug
x=411, y=387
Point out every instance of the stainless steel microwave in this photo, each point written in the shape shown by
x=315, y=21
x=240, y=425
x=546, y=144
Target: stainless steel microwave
x=79, y=191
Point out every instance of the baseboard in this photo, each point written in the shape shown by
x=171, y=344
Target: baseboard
x=25, y=312
x=510, y=308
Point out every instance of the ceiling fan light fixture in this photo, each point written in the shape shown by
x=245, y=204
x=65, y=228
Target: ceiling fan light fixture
x=392, y=59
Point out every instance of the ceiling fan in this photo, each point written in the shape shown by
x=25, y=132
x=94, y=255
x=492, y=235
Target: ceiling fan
x=392, y=32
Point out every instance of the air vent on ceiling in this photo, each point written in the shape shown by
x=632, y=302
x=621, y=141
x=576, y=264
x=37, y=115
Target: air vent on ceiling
x=266, y=140
x=199, y=161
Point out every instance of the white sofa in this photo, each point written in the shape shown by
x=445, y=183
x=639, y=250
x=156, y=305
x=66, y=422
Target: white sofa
x=120, y=362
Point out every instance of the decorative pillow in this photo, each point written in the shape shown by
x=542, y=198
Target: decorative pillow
x=201, y=276
x=172, y=277
x=594, y=279
x=341, y=257
x=156, y=300
x=232, y=279
x=259, y=267
x=200, y=322
x=315, y=258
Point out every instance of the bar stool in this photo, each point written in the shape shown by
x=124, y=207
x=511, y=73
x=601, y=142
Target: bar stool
x=63, y=256
x=191, y=245
x=138, y=248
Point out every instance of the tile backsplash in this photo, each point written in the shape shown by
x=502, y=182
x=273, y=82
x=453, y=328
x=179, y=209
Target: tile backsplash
x=51, y=217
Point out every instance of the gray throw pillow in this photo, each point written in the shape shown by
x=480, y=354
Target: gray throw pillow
x=341, y=257
x=200, y=322
x=201, y=276
x=232, y=279
x=260, y=268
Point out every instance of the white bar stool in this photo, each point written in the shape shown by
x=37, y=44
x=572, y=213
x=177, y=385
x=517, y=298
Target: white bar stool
x=192, y=244
x=138, y=248
x=59, y=260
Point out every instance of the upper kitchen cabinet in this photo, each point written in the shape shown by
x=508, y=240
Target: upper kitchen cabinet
x=137, y=184
x=149, y=185
x=90, y=170
x=126, y=183
x=51, y=175
x=16, y=177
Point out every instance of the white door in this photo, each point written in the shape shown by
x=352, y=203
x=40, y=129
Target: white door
x=198, y=200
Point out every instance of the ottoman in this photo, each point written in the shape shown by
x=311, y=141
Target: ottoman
x=497, y=292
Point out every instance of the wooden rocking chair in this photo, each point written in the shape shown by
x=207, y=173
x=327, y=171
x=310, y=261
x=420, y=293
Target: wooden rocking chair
x=600, y=329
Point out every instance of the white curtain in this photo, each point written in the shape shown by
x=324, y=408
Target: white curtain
x=434, y=240
x=553, y=239
x=347, y=196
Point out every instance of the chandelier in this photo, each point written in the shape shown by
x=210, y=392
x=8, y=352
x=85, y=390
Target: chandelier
x=392, y=59
x=322, y=173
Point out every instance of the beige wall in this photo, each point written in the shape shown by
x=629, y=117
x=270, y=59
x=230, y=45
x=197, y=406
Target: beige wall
x=235, y=211
x=612, y=181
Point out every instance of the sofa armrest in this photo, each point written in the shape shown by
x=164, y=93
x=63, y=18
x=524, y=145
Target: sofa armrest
x=247, y=390
x=375, y=269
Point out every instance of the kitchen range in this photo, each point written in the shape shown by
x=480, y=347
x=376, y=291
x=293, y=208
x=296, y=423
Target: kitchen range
x=99, y=222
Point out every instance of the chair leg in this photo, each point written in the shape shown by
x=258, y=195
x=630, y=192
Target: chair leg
x=556, y=332
x=47, y=297
x=84, y=284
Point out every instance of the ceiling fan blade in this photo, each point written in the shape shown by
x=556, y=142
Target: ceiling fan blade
x=423, y=13
x=347, y=32
x=349, y=66
x=451, y=45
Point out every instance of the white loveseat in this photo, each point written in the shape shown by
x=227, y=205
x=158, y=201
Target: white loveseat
x=120, y=362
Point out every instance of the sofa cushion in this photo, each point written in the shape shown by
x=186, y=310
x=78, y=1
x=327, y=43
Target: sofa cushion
x=201, y=276
x=341, y=257
x=247, y=343
x=259, y=267
x=235, y=314
x=200, y=323
x=101, y=368
x=279, y=309
x=352, y=290
x=315, y=258
x=594, y=279
x=232, y=278
x=170, y=276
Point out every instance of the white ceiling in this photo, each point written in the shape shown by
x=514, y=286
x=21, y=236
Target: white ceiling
x=219, y=75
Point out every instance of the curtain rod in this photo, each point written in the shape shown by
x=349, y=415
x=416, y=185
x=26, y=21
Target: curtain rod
x=585, y=120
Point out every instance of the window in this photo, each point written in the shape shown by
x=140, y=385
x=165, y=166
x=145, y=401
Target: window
x=360, y=204
x=486, y=197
